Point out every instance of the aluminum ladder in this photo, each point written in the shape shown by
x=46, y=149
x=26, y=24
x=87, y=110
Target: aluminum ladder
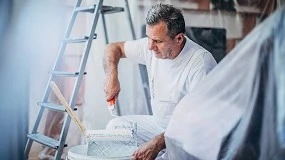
x=45, y=104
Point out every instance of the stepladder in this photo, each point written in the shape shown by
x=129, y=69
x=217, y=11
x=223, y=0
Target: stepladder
x=59, y=74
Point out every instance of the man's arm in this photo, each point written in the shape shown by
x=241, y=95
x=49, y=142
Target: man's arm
x=150, y=149
x=112, y=54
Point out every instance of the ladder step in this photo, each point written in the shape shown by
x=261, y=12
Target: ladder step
x=78, y=39
x=105, y=9
x=53, y=106
x=45, y=140
x=110, y=9
x=69, y=74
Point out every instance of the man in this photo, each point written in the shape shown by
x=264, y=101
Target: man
x=175, y=64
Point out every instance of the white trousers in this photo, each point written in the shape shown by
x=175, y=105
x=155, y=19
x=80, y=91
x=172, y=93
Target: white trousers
x=147, y=128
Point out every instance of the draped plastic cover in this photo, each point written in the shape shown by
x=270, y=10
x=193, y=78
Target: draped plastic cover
x=228, y=95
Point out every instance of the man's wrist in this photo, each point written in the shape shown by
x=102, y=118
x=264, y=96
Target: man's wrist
x=159, y=142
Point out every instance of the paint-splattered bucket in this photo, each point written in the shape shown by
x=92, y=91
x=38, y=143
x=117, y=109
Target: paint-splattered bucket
x=80, y=153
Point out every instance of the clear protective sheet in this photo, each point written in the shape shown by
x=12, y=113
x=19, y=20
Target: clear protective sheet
x=237, y=112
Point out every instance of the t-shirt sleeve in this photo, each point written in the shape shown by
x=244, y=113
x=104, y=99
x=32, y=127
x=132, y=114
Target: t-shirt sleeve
x=203, y=65
x=137, y=50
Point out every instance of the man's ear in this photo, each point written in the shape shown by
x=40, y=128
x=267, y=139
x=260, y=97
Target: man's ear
x=179, y=38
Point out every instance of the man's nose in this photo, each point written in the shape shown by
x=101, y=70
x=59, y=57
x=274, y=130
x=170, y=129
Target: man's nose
x=151, y=45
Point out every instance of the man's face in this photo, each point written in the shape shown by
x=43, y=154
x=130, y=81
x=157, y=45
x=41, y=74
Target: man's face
x=160, y=43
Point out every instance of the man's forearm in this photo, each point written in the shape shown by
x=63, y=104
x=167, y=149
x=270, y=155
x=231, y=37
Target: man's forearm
x=150, y=149
x=160, y=142
x=112, y=55
x=111, y=59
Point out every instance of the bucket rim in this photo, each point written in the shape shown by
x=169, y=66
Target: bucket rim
x=71, y=154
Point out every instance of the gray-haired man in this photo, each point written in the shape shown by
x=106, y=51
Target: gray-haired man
x=174, y=63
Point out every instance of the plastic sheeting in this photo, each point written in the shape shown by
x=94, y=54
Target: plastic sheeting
x=244, y=95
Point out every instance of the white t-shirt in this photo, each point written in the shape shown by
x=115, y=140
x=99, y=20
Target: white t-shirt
x=170, y=79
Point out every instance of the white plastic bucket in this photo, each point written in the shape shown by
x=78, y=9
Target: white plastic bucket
x=80, y=153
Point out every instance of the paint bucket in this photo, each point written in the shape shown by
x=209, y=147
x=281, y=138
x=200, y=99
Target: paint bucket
x=80, y=153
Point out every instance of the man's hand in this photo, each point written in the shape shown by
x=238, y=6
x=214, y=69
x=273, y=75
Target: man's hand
x=150, y=149
x=112, y=86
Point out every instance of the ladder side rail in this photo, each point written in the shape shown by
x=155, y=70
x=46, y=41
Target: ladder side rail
x=144, y=78
x=105, y=29
x=142, y=68
x=76, y=87
x=62, y=138
x=130, y=19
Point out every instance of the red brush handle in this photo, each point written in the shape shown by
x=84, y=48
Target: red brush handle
x=112, y=102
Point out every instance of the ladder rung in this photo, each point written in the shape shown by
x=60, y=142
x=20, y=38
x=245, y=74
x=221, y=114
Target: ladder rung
x=69, y=74
x=110, y=9
x=54, y=107
x=45, y=140
x=78, y=39
x=85, y=9
x=105, y=9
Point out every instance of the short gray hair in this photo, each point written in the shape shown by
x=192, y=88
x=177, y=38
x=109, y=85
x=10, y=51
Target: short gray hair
x=167, y=13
